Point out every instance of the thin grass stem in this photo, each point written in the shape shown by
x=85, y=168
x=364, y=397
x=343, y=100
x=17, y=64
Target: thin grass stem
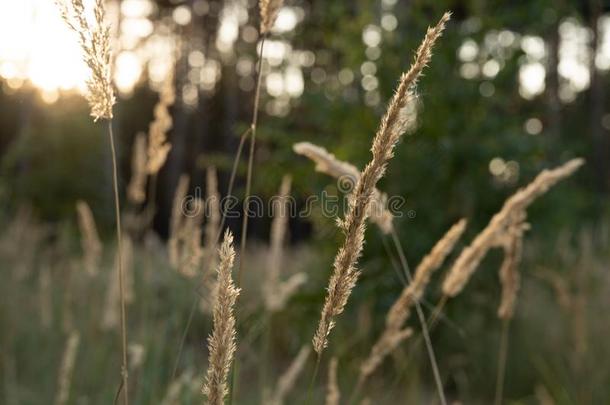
x=244, y=227
x=422, y=321
x=117, y=209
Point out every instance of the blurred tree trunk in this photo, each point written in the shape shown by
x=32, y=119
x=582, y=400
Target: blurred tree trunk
x=599, y=135
x=175, y=161
x=553, y=106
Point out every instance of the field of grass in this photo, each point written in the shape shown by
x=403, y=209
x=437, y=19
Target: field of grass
x=490, y=314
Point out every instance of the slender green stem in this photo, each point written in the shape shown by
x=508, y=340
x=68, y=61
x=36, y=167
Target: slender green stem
x=422, y=321
x=117, y=210
x=502, y=355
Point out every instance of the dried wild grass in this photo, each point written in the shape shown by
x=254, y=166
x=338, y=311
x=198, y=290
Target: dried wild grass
x=66, y=369
x=333, y=395
x=393, y=124
x=184, y=245
x=327, y=163
x=90, y=240
x=269, y=10
x=211, y=234
x=94, y=41
x=512, y=214
x=277, y=293
x=136, y=190
x=509, y=272
x=399, y=312
x=212, y=225
x=221, y=343
x=158, y=147
x=191, y=252
x=176, y=220
x=394, y=333
x=286, y=382
x=172, y=396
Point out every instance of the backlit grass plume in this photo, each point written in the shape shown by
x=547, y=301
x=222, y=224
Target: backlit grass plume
x=286, y=382
x=136, y=190
x=221, y=343
x=90, y=240
x=333, y=394
x=94, y=40
x=66, y=369
x=277, y=292
x=395, y=332
x=185, y=233
x=343, y=171
x=513, y=212
x=510, y=278
x=158, y=147
x=397, y=118
x=269, y=10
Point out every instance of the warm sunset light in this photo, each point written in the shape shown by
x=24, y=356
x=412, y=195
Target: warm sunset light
x=39, y=48
x=287, y=202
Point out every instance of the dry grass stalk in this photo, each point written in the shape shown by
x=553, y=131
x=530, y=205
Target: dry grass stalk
x=89, y=238
x=221, y=343
x=94, y=41
x=543, y=396
x=393, y=124
x=394, y=333
x=172, y=396
x=211, y=233
x=66, y=369
x=212, y=226
x=509, y=271
x=327, y=163
x=158, y=147
x=191, y=251
x=191, y=254
x=511, y=214
x=399, y=312
x=389, y=340
x=286, y=382
x=276, y=292
x=136, y=190
x=137, y=355
x=269, y=10
x=176, y=224
x=333, y=395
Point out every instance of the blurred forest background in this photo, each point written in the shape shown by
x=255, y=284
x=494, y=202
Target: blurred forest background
x=513, y=88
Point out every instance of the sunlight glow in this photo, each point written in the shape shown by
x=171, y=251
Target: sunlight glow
x=41, y=48
x=45, y=53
